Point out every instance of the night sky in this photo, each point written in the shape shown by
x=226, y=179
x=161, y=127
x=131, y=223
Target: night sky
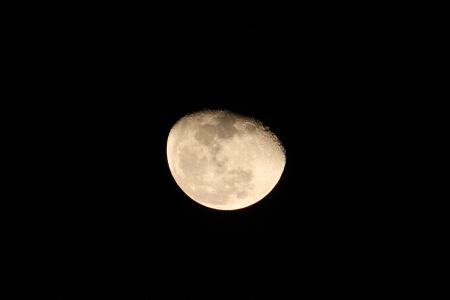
x=117, y=223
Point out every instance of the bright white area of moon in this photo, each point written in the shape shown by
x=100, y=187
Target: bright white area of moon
x=223, y=160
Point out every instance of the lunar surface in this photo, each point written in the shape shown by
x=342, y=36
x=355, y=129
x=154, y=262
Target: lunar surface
x=223, y=160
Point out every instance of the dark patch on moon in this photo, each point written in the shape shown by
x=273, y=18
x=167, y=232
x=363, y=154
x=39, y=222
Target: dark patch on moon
x=225, y=129
x=220, y=164
x=249, y=127
x=205, y=134
x=240, y=182
x=245, y=175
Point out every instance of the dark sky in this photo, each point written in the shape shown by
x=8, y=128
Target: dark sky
x=116, y=221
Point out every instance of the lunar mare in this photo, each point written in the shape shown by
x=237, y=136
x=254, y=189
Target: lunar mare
x=223, y=160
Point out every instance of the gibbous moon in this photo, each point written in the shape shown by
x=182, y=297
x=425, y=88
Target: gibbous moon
x=223, y=160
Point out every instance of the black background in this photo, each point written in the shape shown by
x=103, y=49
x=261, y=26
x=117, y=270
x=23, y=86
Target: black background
x=115, y=221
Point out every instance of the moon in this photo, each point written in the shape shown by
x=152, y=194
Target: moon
x=223, y=160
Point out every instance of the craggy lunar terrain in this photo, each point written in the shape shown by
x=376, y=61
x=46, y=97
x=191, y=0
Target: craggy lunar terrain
x=224, y=160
